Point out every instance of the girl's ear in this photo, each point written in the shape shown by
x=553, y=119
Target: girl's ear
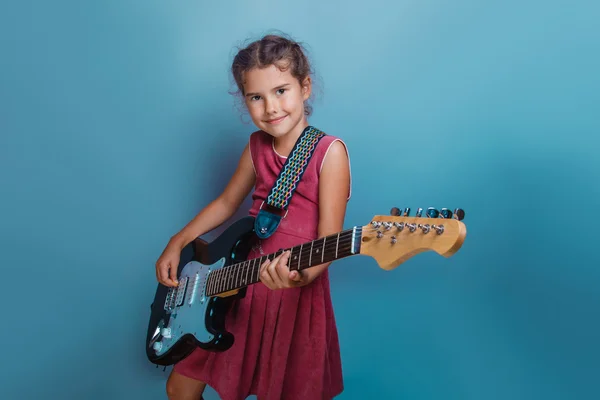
x=306, y=88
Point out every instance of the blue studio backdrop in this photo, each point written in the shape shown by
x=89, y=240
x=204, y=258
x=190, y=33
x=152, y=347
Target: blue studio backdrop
x=117, y=126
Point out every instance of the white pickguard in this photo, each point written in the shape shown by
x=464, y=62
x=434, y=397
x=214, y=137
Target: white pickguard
x=187, y=304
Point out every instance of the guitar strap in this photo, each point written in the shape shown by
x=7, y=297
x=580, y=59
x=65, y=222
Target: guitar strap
x=268, y=219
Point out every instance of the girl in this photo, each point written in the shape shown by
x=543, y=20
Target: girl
x=286, y=344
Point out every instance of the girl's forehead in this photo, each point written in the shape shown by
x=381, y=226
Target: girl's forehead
x=267, y=78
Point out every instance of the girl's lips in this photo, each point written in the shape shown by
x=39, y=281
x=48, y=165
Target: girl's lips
x=276, y=121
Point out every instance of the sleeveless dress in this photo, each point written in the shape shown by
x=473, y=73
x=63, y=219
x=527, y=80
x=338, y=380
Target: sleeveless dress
x=286, y=343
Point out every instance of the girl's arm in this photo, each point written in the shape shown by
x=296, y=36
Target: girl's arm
x=210, y=217
x=334, y=188
x=223, y=207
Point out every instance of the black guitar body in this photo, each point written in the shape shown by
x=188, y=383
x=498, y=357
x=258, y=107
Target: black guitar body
x=199, y=321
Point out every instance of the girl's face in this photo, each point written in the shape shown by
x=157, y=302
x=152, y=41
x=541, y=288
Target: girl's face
x=275, y=100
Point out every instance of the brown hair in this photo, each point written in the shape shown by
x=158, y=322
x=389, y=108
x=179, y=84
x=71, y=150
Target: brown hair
x=275, y=50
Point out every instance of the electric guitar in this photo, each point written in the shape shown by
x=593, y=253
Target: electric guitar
x=212, y=275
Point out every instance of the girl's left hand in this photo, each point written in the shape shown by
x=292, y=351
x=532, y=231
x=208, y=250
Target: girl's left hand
x=276, y=274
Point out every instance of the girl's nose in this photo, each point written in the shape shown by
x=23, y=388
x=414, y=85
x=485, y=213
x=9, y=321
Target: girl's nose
x=271, y=106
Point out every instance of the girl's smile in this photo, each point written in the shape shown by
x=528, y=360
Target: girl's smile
x=276, y=120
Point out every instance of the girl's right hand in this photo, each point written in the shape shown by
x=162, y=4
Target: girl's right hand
x=166, y=266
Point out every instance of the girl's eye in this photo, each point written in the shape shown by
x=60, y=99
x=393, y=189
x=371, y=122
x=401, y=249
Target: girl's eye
x=280, y=91
x=254, y=98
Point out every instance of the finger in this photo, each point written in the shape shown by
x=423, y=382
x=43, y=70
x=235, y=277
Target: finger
x=271, y=271
x=296, y=276
x=265, y=277
x=173, y=273
x=279, y=271
x=283, y=270
x=164, y=275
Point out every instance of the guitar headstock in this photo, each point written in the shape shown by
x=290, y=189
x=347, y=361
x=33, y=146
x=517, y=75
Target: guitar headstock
x=393, y=239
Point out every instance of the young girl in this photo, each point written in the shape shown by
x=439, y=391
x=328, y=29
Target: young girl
x=286, y=344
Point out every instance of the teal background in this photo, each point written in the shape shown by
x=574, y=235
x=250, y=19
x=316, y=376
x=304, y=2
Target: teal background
x=116, y=127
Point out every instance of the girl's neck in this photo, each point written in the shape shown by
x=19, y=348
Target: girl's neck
x=284, y=144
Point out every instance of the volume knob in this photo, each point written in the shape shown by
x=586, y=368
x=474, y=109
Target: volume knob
x=166, y=332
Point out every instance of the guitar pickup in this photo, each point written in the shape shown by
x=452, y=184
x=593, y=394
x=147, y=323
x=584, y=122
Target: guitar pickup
x=175, y=296
x=181, y=290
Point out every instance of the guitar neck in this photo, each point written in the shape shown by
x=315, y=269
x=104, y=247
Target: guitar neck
x=330, y=248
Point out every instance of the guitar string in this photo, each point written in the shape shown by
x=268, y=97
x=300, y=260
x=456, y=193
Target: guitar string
x=345, y=238
x=243, y=268
x=225, y=275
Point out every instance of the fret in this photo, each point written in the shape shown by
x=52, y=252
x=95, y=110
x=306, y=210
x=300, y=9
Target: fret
x=242, y=270
x=292, y=255
x=214, y=285
x=258, y=264
x=223, y=279
x=240, y=274
x=258, y=270
x=310, y=253
x=229, y=278
x=337, y=245
x=247, y=271
x=215, y=288
x=300, y=256
x=215, y=279
x=218, y=280
x=323, y=250
x=211, y=284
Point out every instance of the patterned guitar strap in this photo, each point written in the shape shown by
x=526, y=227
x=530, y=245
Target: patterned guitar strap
x=269, y=217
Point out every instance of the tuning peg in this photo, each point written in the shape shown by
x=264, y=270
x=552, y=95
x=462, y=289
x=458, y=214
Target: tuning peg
x=395, y=211
x=445, y=213
x=459, y=214
x=419, y=212
x=406, y=211
x=432, y=212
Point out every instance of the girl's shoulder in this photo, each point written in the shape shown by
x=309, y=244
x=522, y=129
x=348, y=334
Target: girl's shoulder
x=260, y=137
x=328, y=144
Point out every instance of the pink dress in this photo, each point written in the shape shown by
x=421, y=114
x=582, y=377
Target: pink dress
x=286, y=343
